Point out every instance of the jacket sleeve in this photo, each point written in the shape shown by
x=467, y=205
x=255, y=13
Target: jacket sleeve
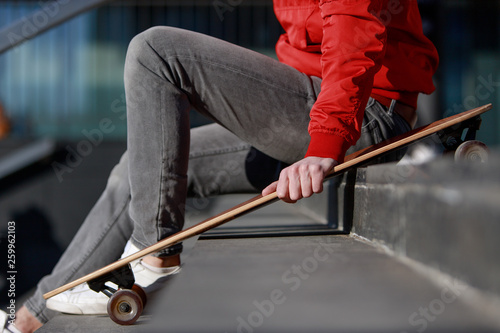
x=353, y=46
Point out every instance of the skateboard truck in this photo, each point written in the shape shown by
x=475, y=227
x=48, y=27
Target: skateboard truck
x=468, y=148
x=126, y=303
x=451, y=137
x=123, y=277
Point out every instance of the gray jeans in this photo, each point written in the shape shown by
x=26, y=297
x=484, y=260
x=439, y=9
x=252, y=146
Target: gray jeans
x=260, y=109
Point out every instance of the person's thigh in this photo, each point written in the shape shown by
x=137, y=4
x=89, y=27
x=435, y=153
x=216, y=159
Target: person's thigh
x=222, y=163
x=217, y=160
x=264, y=102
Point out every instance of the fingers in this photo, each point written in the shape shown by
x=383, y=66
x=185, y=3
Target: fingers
x=282, y=191
x=286, y=189
x=270, y=189
x=302, y=179
x=318, y=175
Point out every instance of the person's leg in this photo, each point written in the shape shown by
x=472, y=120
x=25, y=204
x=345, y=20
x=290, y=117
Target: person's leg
x=170, y=71
x=222, y=163
x=217, y=165
x=99, y=241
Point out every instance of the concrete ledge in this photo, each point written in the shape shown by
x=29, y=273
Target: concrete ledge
x=443, y=214
x=312, y=284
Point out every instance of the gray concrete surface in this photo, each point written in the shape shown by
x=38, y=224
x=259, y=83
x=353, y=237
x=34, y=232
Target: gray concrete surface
x=443, y=214
x=303, y=284
x=313, y=284
x=91, y=324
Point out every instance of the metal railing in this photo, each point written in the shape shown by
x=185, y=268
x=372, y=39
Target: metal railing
x=50, y=14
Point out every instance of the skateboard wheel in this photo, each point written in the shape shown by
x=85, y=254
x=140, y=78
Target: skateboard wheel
x=125, y=307
x=142, y=294
x=472, y=150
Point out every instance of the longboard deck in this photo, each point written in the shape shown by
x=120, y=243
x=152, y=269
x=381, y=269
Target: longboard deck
x=353, y=160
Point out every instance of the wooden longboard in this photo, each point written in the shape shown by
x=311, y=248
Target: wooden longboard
x=351, y=161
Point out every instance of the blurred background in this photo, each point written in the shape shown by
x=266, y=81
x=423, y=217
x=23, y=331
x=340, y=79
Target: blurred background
x=69, y=78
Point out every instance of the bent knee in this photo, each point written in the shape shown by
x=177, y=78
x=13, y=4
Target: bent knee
x=161, y=39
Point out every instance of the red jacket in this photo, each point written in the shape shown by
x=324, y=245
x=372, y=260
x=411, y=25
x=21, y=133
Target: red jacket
x=360, y=48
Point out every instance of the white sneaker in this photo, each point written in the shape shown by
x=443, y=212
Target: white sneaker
x=5, y=327
x=79, y=300
x=148, y=277
x=82, y=300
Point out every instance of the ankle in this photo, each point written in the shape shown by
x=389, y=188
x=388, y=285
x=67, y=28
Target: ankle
x=161, y=262
x=26, y=322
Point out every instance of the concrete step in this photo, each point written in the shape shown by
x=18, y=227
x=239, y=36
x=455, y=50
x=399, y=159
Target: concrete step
x=304, y=284
x=444, y=214
x=307, y=284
